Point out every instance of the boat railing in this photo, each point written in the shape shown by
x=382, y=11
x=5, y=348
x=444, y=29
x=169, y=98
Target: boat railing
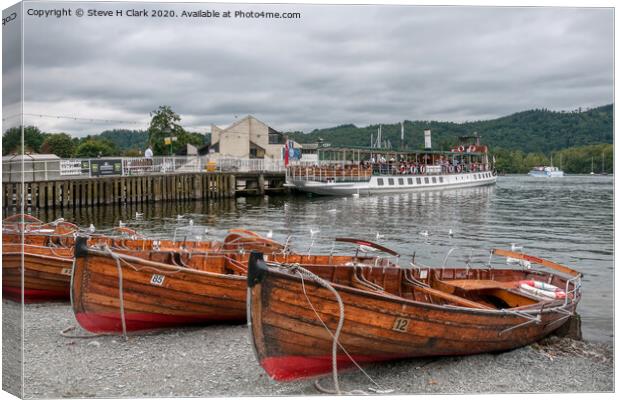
x=330, y=173
x=339, y=172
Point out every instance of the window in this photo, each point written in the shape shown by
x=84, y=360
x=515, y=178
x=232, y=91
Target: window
x=425, y=180
x=391, y=181
x=434, y=180
x=410, y=181
x=418, y=181
x=380, y=181
x=441, y=179
x=401, y=181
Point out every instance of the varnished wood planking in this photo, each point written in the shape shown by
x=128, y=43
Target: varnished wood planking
x=284, y=324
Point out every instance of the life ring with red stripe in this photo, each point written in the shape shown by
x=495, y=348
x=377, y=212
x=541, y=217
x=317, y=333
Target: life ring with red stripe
x=459, y=168
x=422, y=169
x=471, y=149
x=542, y=289
x=461, y=149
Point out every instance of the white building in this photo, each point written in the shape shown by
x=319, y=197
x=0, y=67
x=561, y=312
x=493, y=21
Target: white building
x=248, y=138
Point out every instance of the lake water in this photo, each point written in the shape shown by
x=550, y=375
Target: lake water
x=568, y=220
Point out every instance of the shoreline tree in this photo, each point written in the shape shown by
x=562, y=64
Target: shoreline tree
x=164, y=124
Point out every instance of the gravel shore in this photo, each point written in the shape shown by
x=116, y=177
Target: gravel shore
x=219, y=361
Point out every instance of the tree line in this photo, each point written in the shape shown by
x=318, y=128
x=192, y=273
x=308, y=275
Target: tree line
x=597, y=158
x=533, y=131
x=578, y=140
x=165, y=123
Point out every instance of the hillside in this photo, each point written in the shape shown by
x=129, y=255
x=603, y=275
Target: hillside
x=529, y=131
x=126, y=139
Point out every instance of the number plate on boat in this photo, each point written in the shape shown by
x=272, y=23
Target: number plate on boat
x=400, y=325
x=157, y=280
x=66, y=271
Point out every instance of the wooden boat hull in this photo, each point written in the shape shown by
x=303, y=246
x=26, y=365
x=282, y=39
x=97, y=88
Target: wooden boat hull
x=51, y=281
x=46, y=273
x=291, y=342
x=154, y=295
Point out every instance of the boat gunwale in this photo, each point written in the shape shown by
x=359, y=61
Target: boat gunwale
x=155, y=264
x=540, y=307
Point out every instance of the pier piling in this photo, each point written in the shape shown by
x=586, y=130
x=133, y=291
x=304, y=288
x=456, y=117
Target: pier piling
x=110, y=190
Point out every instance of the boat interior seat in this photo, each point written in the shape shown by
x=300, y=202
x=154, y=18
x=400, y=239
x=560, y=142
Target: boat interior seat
x=491, y=292
x=480, y=284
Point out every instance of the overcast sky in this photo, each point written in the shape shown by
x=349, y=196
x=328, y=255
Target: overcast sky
x=334, y=65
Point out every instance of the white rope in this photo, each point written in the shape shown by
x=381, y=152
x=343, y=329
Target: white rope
x=335, y=336
x=120, y=289
x=64, y=333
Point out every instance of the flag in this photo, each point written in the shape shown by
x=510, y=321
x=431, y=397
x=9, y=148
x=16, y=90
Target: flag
x=286, y=151
x=402, y=131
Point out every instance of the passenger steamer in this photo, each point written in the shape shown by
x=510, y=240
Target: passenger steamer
x=366, y=171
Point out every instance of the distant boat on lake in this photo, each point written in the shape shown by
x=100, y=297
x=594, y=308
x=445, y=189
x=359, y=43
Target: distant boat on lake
x=546, y=172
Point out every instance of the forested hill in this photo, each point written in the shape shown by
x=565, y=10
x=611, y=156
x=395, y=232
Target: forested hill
x=126, y=139
x=137, y=140
x=529, y=131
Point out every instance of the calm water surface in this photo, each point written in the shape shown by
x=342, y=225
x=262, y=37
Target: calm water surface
x=568, y=220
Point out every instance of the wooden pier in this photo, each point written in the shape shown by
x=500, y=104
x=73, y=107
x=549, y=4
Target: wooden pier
x=110, y=190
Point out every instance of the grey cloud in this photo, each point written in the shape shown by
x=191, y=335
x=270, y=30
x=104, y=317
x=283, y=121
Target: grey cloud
x=338, y=64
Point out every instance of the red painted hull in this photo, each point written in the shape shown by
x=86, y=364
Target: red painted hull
x=290, y=368
x=34, y=295
x=137, y=322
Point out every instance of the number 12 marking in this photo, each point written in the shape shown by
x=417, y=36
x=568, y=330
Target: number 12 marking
x=400, y=325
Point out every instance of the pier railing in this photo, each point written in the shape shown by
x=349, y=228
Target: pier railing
x=77, y=168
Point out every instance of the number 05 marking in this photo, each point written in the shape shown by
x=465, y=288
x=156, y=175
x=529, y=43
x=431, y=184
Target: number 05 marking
x=400, y=325
x=157, y=280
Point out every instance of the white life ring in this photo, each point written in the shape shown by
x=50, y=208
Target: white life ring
x=542, y=289
x=422, y=169
x=471, y=149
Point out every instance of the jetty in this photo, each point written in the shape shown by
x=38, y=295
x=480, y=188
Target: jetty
x=46, y=181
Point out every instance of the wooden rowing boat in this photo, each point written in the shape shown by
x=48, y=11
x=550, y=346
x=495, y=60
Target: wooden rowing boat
x=46, y=252
x=46, y=276
x=115, y=292
x=393, y=313
x=47, y=271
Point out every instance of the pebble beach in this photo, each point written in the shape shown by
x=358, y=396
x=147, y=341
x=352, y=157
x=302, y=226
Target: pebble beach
x=218, y=360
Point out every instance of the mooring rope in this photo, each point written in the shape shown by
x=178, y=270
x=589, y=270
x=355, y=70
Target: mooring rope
x=120, y=289
x=64, y=333
x=335, y=336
